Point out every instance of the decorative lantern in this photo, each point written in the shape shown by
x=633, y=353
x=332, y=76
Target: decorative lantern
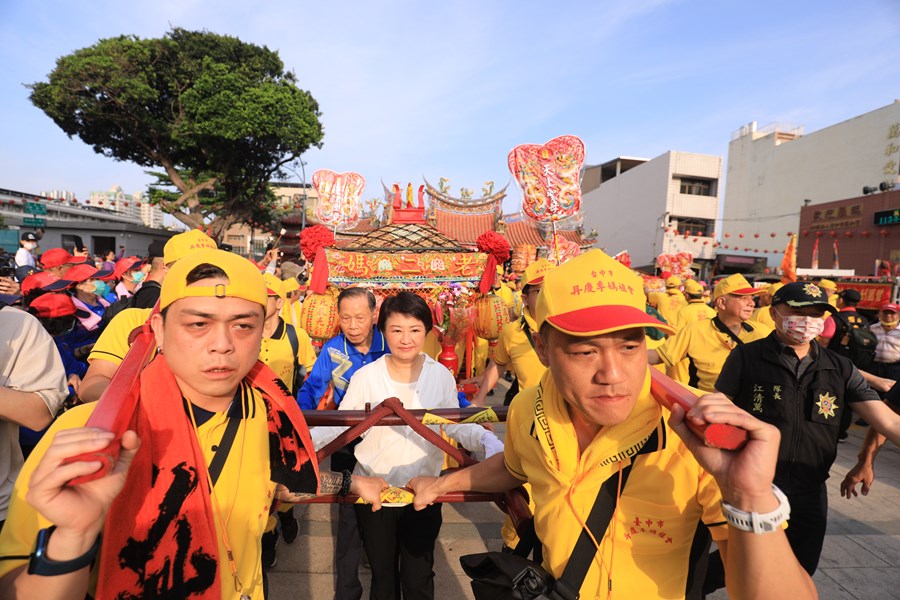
x=865, y=233
x=728, y=235
x=883, y=233
x=772, y=234
x=848, y=234
x=491, y=315
x=741, y=235
x=833, y=234
x=319, y=315
x=756, y=235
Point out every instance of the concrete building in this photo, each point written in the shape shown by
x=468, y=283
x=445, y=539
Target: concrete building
x=666, y=205
x=775, y=170
x=135, y=206
x=63, y=222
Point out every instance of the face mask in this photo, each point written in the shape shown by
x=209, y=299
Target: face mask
x=801, y=330
x=101, y=288
x=138, y=277
x=888, y=325
x=30, y=245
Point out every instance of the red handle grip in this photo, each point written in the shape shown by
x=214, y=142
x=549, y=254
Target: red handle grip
x=668, y=392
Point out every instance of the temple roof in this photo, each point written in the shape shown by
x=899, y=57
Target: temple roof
x=409, y=237
x=463, y=227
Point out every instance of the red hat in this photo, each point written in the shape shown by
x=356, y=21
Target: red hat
x=124, y=265
x=44, y=280
x=52, y=305
x=83, y=272
x=891, y=307
x=57, y=257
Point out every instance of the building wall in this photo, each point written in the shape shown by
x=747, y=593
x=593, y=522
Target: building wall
x=771, y=171
x=852, y=223
x=633, y=210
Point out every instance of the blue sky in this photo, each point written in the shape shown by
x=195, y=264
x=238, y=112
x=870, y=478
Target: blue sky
x=448, y=89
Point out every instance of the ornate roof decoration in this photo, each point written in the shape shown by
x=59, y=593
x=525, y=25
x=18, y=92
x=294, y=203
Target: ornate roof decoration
x=489, y=202
x=406, y=237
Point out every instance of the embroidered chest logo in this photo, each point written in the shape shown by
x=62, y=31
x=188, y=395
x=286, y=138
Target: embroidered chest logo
x=827, y=404
x=648, y=528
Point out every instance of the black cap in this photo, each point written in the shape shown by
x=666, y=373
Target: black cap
x=24, y=271
x=29, y=236
x=800, y=293
x=156, y=249
x=850, y=295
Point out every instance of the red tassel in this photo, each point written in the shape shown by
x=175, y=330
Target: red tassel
x=319, y=280
x=487, y=278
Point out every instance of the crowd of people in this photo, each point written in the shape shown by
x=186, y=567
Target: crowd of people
x=203, y=478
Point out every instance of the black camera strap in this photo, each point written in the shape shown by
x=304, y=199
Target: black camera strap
x=568, y=586
x=218, y=462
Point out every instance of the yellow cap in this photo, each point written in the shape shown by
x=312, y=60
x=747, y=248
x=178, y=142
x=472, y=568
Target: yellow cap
x=534, y=273
x=827, y=284
x=273, y=285
x=289, y=285
x=673, y=282
x=244, y=279
x=593, y=294
x=183, y=244
x=774, y=287
x=692, y=287
x=735, y=284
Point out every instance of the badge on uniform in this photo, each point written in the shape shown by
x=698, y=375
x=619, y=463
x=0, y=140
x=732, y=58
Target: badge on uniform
x=827, y=404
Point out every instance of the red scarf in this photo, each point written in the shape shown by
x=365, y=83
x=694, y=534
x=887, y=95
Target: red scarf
x=160, y=539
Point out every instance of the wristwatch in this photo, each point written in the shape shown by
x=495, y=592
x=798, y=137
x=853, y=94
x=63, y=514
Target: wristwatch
x=759, y=522
x=41, y=564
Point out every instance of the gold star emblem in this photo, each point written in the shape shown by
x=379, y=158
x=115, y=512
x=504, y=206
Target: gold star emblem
x=827, y=404
x=812, y=289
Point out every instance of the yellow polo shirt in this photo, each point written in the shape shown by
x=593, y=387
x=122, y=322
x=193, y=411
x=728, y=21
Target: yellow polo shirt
x=277, y=353
x=762, y=315
x=244, y=491
x=670, y=304
x=516, y=351
x=653, y=527
x=290, y=312
x=113, y=342
x=706, y=347
x=693, y=311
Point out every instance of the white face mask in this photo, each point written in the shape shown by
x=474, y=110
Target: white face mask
x=801, y=330
x=30, y=245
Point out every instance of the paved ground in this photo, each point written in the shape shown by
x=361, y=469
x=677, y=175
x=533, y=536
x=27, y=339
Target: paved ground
x=860, y=561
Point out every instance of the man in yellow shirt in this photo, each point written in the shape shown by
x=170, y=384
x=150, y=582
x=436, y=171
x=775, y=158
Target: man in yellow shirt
x=672, y=301
x=515, y=347
x=113, y=343
x=696, y=309
x=593, y=418
x=706, y=344
x=761, y=314
x=184, y=524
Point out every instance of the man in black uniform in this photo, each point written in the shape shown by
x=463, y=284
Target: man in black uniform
x=789, y=380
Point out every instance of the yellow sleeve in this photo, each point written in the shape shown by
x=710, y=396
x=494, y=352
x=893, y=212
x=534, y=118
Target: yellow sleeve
x=710, y=498
x=501, y=350
x=113, y=342
x=518, y=412
x=306, y=354
x=675, y=349
x=23, y=522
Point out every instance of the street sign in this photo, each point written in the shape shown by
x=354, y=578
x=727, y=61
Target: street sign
x=34, y=222
x=35, y=208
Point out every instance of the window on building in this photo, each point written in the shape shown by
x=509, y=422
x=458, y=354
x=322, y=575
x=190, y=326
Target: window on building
x=698, y=187
x=693, y=226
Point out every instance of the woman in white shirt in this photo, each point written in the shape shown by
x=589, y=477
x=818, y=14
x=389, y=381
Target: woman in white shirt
x=399, y=541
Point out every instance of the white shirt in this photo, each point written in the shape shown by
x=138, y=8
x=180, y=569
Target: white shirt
x=24, y=258
x=29, y=362
x=888, y=348
x=398, y=454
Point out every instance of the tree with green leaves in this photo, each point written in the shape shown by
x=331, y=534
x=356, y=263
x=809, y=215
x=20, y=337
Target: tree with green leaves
x=220, y=118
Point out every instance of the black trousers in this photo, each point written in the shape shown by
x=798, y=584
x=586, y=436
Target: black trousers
x=348, y=545
x=399, y=542
x=805, y=534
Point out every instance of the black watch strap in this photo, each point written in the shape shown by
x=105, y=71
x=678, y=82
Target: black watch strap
x=40, y=564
